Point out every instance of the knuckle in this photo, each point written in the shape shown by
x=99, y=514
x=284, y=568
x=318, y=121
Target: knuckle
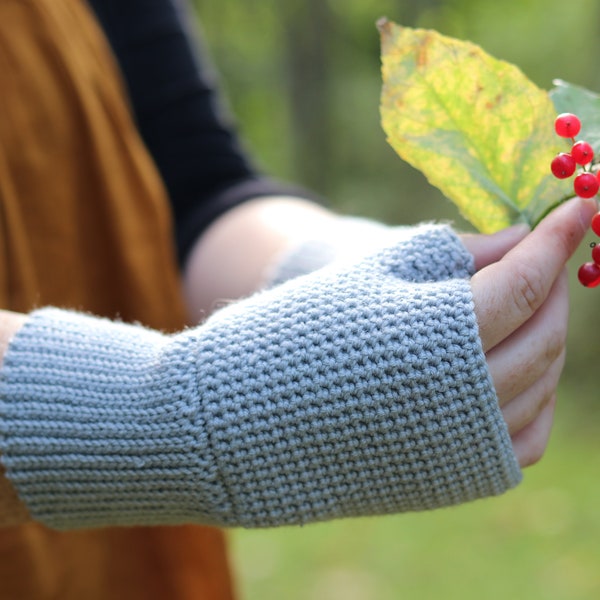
x=546, y=393
x=532, y=409
x=546, y=396
x=522, y=412
x=556, y=340
x=528, y=291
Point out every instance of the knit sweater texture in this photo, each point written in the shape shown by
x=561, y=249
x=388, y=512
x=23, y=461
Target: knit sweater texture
x=358, y=389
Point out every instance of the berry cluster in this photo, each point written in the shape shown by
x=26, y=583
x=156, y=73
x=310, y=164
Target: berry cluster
x=586, y=184
x=589, y=272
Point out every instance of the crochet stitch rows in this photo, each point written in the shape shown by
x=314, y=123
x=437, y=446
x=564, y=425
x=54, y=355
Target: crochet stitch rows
x=356, y=390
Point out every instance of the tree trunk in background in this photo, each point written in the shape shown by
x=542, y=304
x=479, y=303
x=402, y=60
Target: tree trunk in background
x=307, y=61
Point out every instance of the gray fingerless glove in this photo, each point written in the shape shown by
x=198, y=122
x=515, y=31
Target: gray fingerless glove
x=357, y=390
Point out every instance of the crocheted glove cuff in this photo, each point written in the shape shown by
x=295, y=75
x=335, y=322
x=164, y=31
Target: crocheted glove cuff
x=356, y=238
x=344, y=393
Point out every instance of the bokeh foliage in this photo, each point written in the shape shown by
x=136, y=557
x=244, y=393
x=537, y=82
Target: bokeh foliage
x=302, y=78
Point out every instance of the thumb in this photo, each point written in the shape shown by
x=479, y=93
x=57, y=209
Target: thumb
x=508, y=292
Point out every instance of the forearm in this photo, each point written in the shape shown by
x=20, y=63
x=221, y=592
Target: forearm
x=231, y=259
x=268, y=240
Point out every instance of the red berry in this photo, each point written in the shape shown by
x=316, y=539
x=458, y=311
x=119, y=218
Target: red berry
x=596, y=254
x=563, y=165
x=582, y=153
x=567, y=125
x=595, y=224
x=586, y=185
x=589, y=274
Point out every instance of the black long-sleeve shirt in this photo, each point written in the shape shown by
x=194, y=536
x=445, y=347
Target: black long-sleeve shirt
x=179, y=115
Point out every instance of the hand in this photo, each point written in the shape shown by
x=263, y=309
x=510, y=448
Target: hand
x=521, y=302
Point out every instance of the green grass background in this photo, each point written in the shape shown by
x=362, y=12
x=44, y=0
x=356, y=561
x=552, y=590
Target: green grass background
x=302, y=79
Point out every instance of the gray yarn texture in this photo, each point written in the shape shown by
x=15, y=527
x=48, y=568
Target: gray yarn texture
x=356, y=390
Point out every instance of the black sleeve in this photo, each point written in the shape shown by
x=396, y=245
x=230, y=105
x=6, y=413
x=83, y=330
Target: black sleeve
x=179, y=116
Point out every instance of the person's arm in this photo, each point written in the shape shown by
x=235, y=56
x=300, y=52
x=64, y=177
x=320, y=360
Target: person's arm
x=361, y=389
x=179, y=113
x=242, y=185
x=267, y=240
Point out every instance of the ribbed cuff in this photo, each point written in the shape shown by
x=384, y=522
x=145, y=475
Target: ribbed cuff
x=103, y=426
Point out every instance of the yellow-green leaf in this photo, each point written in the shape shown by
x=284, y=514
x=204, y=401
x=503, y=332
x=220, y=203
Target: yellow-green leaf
x=476, y=126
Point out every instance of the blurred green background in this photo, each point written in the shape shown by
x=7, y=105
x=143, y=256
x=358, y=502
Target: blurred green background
x=302, y=79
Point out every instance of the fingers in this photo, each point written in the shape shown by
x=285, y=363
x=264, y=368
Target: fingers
x=487, y=249
x=530, y=443
x=525, y=356
x=526, y=369
x=508, y=292
x=524, y=409
x=521, y=303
